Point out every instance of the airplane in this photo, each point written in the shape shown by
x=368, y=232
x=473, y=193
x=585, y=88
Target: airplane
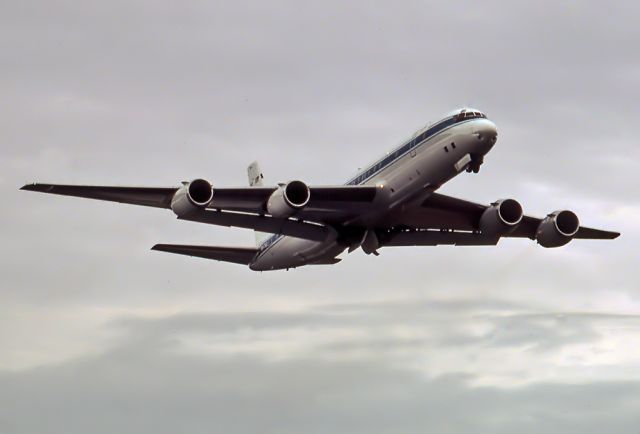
x=392, y=202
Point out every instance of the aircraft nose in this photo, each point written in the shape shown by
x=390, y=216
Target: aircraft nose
x=486, y=131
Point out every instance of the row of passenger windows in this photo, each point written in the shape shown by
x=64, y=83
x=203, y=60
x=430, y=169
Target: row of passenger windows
x=269, y=241
x=379, y=166
x=405, y=148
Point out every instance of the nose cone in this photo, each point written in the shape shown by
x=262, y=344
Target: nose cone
x=486, y=129
x=486, y=132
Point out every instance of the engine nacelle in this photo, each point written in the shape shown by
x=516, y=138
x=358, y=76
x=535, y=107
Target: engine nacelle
x=191, y=197
x=288, y=198
x=557, y=229
x=501, y=217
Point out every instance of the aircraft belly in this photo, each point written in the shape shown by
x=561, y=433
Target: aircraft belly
x=292, y=252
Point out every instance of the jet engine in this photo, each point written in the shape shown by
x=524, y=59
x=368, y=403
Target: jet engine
x=557, y=229
x=501, y=217
x=288, y=198
x=192, y=197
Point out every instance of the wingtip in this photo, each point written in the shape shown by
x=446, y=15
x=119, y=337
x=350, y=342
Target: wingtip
x=40, y=187
x=28, y=187
x=34, y=186
x=163, y=247
x=611, y=235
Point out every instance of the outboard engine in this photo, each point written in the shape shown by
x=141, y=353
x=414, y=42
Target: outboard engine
x=501, y=217
x=557, y=229
x=288, y=198
x=191, y=197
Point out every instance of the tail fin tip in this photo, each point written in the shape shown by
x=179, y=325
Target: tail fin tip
x=256, y=179
x=255, y=174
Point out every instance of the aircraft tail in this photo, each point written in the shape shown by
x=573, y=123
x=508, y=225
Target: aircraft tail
x=256, y=180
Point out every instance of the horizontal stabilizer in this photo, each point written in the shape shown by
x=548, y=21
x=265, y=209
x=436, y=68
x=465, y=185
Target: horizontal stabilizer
x=238, y=255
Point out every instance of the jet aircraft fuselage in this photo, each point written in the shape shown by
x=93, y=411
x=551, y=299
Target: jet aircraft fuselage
x=405, y=177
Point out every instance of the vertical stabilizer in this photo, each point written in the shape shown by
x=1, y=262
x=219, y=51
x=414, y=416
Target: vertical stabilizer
x=255, y=174
x=256, y=180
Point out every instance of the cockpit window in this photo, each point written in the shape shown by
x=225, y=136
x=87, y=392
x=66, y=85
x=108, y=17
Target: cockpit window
x=463, y=115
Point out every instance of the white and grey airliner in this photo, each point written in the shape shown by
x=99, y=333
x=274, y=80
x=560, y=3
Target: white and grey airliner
x=393, y=202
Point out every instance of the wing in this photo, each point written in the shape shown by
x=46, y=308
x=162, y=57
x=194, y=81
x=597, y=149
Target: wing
x=241, y=207
x=446, y=213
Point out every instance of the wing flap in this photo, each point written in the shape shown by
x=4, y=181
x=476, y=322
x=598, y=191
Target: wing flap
x=438, y=238
x=237, y=255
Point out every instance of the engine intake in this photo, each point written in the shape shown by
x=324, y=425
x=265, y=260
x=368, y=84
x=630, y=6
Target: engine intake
x=288, y=198
x=191, y=197
x=501, y=217
x=557, y=229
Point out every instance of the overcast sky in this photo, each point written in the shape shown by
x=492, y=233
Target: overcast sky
x=98, y=334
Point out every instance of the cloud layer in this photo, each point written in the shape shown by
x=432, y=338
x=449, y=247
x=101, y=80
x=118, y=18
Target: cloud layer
x=338, y=368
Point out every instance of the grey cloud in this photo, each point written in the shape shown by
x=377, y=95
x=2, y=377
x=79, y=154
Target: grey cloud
x=362, y=315
x=146, y=389
x=448, y=324
x=540, y=333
